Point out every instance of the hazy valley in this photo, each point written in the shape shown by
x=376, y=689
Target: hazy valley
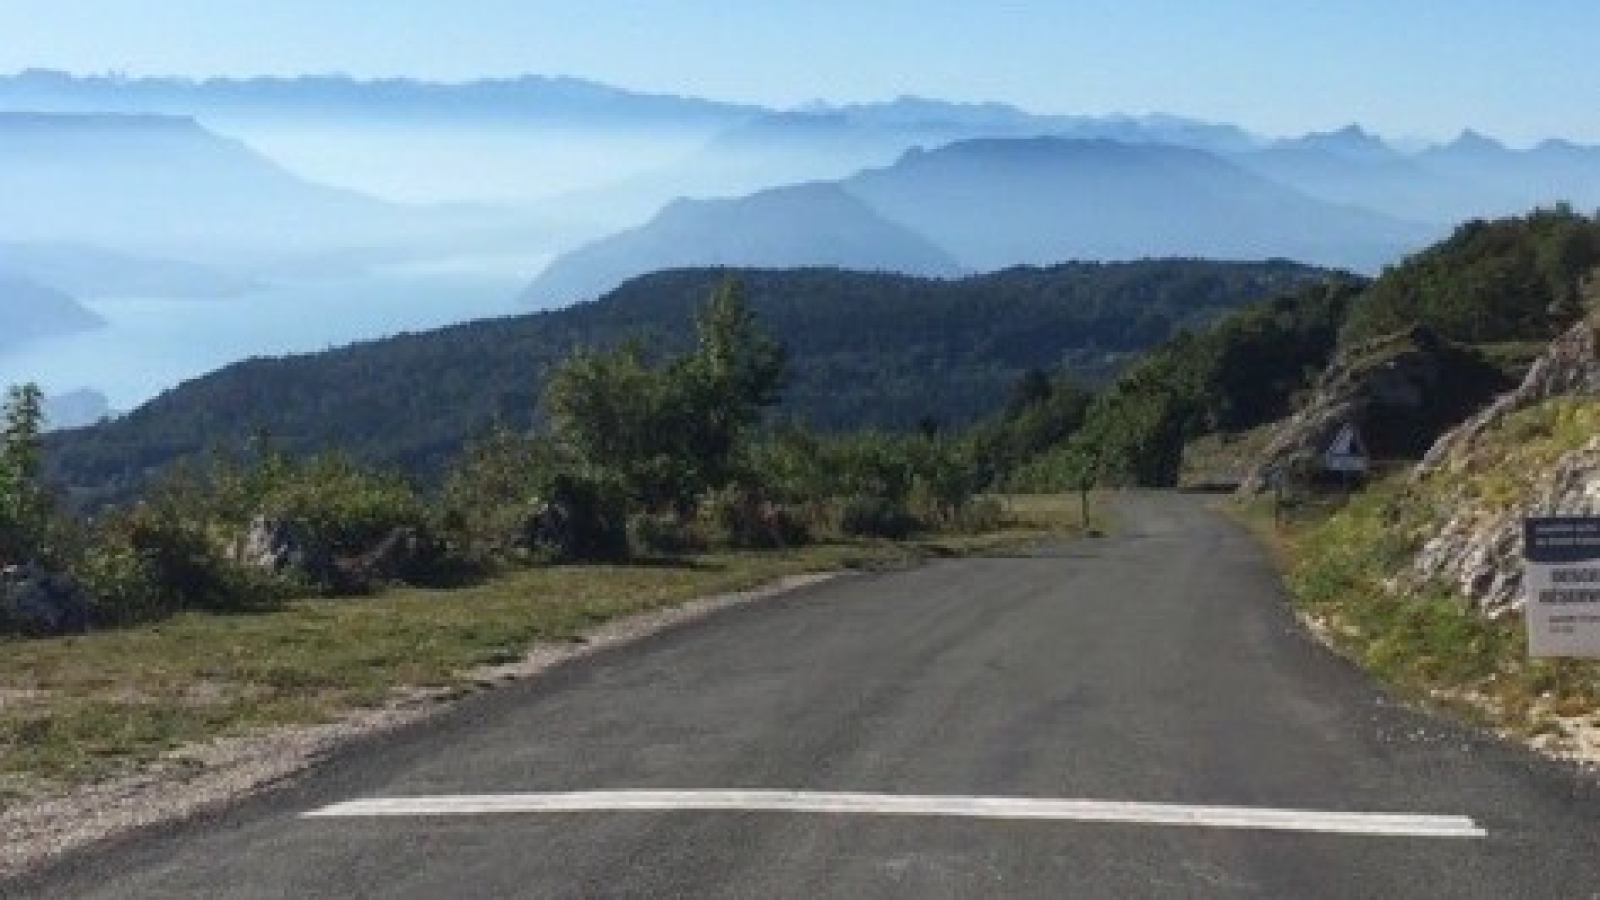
x=354, y=209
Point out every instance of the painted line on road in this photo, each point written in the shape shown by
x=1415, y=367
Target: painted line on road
x=1014, y=808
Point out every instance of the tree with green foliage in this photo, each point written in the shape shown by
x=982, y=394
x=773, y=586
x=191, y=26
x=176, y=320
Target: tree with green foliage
x=735, y=372
x=866, y=350
x=24, y=506
x=670, y=431
x=1514, y=279
x=1244, y=371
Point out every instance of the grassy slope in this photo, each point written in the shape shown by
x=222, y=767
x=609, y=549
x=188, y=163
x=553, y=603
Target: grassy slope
x=79, y=708
x=1428, y=644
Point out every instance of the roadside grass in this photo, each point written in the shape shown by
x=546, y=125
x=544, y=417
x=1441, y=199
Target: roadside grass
x=81, y=708
x=1339, y=557
x=1055, y=513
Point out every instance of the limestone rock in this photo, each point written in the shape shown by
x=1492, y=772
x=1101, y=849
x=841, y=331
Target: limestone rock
x=1570, y=367
x=1477, y=550
x=281, y=547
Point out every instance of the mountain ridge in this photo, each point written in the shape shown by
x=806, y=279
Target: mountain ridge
x=35, y=312
x=867, y=348
x=816, y=224
x=990, y=203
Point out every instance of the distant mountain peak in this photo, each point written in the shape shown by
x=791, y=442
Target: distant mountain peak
x=1351, y=139
x=1470, y=141
x=817, y=223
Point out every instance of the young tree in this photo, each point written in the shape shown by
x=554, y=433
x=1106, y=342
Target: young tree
x=24, y=509
x=673, y=431
x=735, y=371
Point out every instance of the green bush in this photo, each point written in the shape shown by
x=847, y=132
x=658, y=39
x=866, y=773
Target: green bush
x=156, y=559
x=662, y=534
x=343, y=510
x=483, y=506
x=870, y=516
x=579, y=517
x=745, y=518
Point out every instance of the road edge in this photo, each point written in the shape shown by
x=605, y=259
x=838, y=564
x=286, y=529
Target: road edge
x=204, y=778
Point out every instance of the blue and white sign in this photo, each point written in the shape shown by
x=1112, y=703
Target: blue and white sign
x=1562, y=584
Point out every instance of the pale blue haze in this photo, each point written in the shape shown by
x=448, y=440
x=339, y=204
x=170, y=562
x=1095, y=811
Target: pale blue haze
x=1522, y=71
x=149, y=345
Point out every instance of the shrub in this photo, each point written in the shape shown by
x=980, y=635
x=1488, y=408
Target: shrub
x=579, y=517
x=154, y=560
x=483, y=507
x=870, y=516
x=653, y=534
x=343, y=510
x=744, y=518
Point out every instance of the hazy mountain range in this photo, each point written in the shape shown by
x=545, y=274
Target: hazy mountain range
x=818, y=224
x=34, y=311
x=983, y=205
x=75, y=409
x=113, y=187
x=525, y=100
x=92, y=273
x=167, y=186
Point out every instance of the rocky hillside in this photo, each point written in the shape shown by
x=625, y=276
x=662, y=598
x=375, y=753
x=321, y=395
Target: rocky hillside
x=1400, y=391
x=1533, y=451
x=1438, y=337
x=1418, y=577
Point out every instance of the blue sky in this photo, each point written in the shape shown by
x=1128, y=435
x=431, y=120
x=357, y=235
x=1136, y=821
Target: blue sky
x=1402, y=67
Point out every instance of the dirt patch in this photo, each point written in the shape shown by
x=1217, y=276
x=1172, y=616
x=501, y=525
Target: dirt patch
x=15, y=698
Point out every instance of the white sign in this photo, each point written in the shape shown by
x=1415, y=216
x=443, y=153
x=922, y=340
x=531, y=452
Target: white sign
x=1561, y=581
x=1347, y=453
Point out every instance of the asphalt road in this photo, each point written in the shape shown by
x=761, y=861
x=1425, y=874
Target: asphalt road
x=1158, y=665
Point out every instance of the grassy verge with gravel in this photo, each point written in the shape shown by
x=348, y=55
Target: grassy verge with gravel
x=77, y=709
x=1429, y=646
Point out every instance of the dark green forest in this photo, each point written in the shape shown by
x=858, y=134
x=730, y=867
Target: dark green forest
x=865, y=350
x=1515, y=279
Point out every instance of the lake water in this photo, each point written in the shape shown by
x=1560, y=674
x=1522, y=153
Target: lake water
x=150, y=345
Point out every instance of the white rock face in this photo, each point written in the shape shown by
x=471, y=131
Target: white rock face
x=1478, y=549
x=1571, y=367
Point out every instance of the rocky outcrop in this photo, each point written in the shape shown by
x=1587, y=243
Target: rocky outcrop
x=1399, y=391
x=285, y=549
x=282, y=548
x=1477, y=548
x=37, y=602
x=1570, y=367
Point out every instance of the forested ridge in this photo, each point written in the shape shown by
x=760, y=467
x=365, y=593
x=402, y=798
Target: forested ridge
x=865, y=349
x=1489, y=296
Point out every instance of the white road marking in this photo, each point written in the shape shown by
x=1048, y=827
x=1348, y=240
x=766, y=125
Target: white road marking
x=1016, y=808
